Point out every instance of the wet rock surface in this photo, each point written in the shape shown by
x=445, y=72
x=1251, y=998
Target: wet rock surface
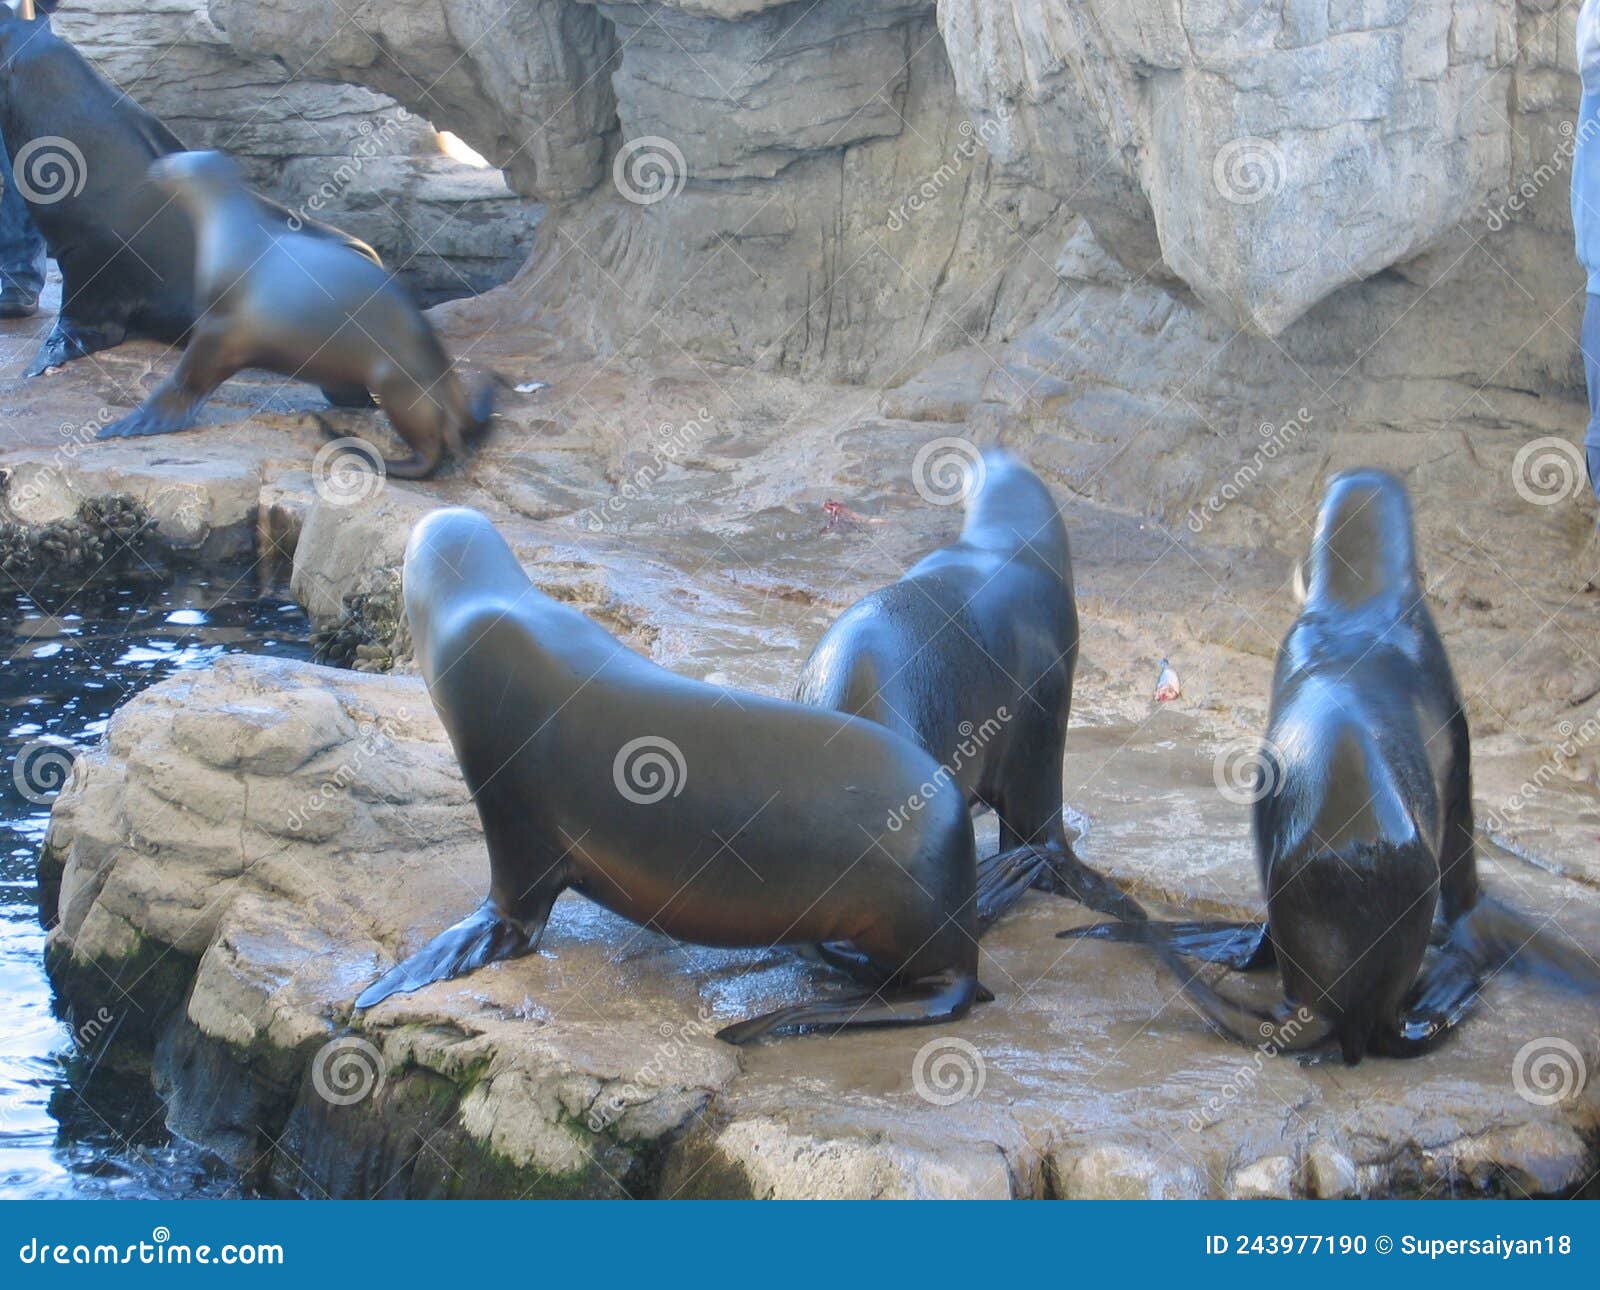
x=253, y=844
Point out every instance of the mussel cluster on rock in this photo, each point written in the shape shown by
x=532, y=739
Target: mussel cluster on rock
x=371, y=636
x=104, y=532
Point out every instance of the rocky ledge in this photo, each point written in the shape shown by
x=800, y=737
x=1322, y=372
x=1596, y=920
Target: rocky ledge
x=254, y=843
x=250, y=845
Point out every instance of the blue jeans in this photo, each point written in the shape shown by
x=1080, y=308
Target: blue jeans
x=1590, y=340
x=21, y=247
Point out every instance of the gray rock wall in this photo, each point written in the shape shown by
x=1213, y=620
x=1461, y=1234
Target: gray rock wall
x=340, y=152
x=854, y=187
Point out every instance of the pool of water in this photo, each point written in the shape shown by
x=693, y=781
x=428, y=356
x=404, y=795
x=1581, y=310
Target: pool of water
x=67, y=660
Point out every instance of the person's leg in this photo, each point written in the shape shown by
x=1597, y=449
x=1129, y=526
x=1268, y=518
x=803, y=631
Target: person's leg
x=22, y=253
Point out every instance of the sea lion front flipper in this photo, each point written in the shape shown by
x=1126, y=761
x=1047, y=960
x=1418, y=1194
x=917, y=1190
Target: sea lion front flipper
x=483, y=937
x=69, y=340
x=1444, y=994
x=174, y=404
x=919, y=1004
x=847, y=958
x=168, y=409
x=1242, y=947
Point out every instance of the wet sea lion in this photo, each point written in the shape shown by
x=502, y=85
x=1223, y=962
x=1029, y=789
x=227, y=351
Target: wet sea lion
x=80, y=149
x=1364, y=826
x=307, y=308
x=971, y=656
x=764, y=823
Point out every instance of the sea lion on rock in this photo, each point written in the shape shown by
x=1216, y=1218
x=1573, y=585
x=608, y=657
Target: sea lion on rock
x=971, y=656
x=1363, y=825
x=307, y=308
x=718, y=817
x=80, y=148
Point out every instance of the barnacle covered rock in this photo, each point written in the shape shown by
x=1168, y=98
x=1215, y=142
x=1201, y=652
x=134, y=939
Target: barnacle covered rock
x=118, y=519
x=371, y=636
x=17, y=554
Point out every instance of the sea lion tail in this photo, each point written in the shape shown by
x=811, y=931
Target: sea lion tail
x=483, y=937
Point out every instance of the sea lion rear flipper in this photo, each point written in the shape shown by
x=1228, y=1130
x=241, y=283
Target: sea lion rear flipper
x=1242, y=947
x=69, y=340
x=1002, y=880
x=919, y=1004
x=483, y=937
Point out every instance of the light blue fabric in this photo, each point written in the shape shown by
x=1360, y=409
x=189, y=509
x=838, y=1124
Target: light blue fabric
x=1586, y=158
x=1589, y=338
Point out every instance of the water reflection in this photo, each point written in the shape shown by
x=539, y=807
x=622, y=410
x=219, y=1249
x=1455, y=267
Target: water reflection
x=70, y=1125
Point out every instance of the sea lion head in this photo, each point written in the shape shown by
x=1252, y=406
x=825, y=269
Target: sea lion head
x=1363, y=548
x=455, y=556
x=195, y=176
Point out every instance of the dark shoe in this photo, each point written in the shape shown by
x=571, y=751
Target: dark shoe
x=17, y=303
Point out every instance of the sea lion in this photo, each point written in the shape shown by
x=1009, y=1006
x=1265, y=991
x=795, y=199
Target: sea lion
x=764, y=823
x=971, y=656
x=81, y=149
x=1363, y=825
x=307, y=308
